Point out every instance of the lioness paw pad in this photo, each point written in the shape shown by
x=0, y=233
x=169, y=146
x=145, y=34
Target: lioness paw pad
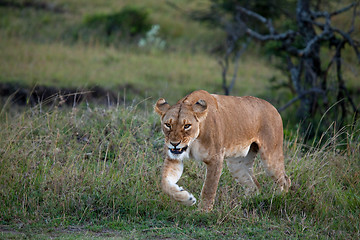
x=191, y=201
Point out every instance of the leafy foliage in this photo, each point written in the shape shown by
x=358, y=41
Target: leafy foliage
x=129, y=22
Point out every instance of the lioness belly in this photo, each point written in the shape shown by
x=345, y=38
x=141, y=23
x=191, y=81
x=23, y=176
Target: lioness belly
x=237, y=151
x=199, y=152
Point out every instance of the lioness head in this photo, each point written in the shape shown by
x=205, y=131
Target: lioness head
x=180, y=124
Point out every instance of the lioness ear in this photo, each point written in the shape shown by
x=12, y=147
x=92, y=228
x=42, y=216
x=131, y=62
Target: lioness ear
x=161, y=106
x=200, y=110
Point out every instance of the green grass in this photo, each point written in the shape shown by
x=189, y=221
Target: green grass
x=99, y=170
x=151, y=74
x=45, y=26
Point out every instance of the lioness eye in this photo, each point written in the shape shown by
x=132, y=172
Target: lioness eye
x=168, y=125
x=187, y=126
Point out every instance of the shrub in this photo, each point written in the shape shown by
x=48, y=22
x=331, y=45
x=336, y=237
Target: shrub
x=130, y=21
x=126, y=25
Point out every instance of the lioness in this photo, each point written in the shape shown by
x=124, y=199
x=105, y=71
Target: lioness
x=211, y=128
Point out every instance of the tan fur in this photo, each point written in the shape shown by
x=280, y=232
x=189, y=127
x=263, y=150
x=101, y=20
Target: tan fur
x=212, y=128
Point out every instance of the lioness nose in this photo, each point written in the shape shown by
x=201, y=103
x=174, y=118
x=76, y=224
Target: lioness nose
x=175, y=144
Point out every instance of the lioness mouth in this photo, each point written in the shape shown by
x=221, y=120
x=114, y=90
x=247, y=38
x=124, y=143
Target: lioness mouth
x=178, y=150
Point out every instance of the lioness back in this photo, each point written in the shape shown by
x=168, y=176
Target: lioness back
x=248, y=116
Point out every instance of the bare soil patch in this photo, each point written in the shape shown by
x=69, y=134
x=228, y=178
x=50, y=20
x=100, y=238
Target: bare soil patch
x=69, y=96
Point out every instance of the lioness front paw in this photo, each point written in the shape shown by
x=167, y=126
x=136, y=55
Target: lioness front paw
x=184, y=197
x=192, y=200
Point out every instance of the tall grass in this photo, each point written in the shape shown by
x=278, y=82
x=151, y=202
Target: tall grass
x=102, y=165
x=81, y=164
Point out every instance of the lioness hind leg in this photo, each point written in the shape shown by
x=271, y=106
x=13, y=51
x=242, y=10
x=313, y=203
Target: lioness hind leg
x=241, y=169
x=274, y=167
x=171, y=174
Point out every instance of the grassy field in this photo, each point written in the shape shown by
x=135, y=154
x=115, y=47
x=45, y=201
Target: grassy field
x=96, y=170
x=151, y=74
x=93, y=171
x=36, y=49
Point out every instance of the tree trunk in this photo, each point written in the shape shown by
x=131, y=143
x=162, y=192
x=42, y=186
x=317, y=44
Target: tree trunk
x=311, y=61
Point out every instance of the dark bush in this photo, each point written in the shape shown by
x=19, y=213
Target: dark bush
x=126, y=25
x=130, y=21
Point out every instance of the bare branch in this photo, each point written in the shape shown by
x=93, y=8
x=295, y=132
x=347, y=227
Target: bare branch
x=343, y=9
x=352, y=28
x=224, y=65
x=267, y=22
x=317, y=38
x=341, y=83
x=295, y=74
x=332, y=29
x=238, y=54
x=292, y=101
x=252, y=14
x=353, y=43
x=305, y=73
x=337, y=12
x=276, y=37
